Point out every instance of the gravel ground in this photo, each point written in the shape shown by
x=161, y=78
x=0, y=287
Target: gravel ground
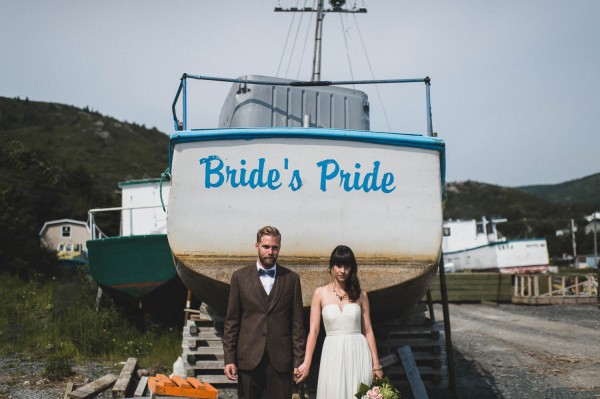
x=520, y=351
x=501, y=351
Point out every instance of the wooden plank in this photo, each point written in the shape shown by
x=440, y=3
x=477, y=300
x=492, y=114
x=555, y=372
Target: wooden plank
x=206, y=350
x=203, y=336
x=208, y=364
x=412, y=373
x=141, y=388
x=94, y=387
x=388, y=359
x=120, y=388
x=68, y=389
x=216, y=379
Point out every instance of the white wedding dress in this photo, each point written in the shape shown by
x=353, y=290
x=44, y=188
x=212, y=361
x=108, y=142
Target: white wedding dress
x=346, y=358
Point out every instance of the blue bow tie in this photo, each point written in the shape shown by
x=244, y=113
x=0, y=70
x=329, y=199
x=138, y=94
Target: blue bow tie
x=269, y=272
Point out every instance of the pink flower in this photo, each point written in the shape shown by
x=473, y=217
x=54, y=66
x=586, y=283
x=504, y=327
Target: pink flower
x=374, y=393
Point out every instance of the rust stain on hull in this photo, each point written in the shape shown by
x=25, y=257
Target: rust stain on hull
x=402, y=281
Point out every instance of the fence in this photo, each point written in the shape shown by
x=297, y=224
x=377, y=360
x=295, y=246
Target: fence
x=551, y=289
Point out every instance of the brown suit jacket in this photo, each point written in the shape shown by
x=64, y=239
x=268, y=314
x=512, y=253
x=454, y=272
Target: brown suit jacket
x=256, y=323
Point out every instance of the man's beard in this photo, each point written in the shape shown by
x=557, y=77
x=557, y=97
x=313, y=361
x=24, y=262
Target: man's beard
x=267, y=262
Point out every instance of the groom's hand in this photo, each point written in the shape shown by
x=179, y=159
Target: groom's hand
x=231, y=371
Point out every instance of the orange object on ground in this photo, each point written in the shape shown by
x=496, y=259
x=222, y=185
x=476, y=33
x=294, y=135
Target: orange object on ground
x=177, y=386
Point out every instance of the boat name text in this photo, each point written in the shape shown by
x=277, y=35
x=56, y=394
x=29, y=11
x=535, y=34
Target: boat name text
x=217, y=173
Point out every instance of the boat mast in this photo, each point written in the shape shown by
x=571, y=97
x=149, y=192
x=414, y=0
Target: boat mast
x=316, y=74
x=336, y=6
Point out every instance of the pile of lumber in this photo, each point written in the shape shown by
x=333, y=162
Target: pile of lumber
x=129, y=385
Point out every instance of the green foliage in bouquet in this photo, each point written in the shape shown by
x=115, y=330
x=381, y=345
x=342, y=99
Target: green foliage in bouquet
x=380, y=388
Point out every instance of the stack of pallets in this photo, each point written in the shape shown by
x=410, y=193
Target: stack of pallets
x=426, y=339
x=203, y=350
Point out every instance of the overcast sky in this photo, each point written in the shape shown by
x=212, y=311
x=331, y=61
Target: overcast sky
x=515, y=83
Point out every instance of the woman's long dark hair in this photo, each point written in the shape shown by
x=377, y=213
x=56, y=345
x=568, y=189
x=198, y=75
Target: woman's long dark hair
x=343, y=256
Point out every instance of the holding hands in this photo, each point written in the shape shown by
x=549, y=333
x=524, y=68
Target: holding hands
x=301, y=373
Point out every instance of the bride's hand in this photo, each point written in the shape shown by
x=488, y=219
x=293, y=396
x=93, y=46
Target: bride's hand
x=378, y=373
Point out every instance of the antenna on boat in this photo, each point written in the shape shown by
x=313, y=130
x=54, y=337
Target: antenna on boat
x=336, y=6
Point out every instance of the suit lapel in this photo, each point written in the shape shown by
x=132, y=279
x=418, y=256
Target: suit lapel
x=257, y=287
x=278, y=287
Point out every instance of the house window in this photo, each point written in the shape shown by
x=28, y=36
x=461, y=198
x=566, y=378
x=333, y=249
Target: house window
x=66, y=231
x=446, y=231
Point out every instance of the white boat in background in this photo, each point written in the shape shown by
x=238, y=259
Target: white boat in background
x=135, y=268
x=473, y=245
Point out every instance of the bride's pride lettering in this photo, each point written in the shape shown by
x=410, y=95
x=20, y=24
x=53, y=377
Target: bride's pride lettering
x=218, y=173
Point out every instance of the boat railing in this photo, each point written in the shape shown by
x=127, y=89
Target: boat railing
x=550, y=289
x=97, y=233
x=182, y=91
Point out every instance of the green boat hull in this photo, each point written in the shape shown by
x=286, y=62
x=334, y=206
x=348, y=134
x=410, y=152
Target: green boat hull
x=133, y=265
x=138, y=273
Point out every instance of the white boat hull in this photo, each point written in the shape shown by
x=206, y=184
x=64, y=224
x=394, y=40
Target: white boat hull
x=388, y=208
x=518, y=255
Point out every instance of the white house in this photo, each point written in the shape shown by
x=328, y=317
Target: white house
x=66, y=231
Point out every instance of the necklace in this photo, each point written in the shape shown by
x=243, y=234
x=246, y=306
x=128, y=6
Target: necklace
x=340, y=297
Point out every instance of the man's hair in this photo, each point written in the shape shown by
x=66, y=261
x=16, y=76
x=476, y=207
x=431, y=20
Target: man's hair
x=268, y=231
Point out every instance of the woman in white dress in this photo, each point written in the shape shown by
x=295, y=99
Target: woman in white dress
x=349, y=355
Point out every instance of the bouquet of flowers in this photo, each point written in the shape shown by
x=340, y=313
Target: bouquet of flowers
x=380, y=389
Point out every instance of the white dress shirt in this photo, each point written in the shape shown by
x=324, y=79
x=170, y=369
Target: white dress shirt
x=267, y=281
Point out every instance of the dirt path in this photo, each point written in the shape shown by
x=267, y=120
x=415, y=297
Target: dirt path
x=511, y=351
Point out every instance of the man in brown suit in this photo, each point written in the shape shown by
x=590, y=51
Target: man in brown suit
x=264, y=330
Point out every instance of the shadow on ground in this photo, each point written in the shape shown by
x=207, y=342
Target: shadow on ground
x=472, y=381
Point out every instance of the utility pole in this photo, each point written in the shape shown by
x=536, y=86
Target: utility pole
x=573, y=230
x=593, y=218
x=336, y=6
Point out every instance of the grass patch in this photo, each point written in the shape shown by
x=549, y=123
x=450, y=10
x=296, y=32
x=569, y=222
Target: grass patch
x=56, y=321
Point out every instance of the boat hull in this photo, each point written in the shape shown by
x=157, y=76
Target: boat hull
x=512, y=256
x=137, y=272
x=133, y=265
x=393, y=288
x=380, y=194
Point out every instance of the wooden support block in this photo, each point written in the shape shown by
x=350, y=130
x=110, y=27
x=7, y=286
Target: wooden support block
x=192, y=327
x=120, y=388
x=178, y=387
x=93, y=387
x=141, y=388
x=412, y=373
x=181, y=382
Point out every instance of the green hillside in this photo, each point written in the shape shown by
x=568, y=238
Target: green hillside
x=59, y=161
x=581, y=191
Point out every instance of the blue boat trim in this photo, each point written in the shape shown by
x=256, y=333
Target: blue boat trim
x=383, y=138
x=398, y=139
